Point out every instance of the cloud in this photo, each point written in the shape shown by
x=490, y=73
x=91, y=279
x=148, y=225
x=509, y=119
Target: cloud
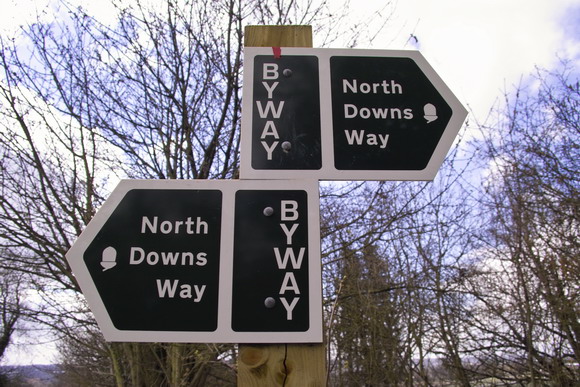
x=480, y=48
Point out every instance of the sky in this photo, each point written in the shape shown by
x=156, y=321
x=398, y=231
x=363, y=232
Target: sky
x=480, y=48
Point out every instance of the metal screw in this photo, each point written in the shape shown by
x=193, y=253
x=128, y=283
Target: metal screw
x=270, y=302
x=286, y=146
x=268, y=211
x=287, y=73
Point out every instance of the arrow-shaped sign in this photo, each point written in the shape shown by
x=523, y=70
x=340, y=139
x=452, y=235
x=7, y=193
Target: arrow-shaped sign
x=333, y=114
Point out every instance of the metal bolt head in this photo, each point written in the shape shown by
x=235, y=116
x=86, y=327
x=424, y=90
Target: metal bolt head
x=268, y=211
x=286, y=146
x=287, y=73
x=270, y=302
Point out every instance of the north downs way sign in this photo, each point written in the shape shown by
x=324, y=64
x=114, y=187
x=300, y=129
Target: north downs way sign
x=338, y=114
x=204, y=261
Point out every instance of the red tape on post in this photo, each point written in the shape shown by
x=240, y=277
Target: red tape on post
x=277, y=52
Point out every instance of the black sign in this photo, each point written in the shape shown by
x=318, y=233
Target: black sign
x=286, y=113
x=204, y=261
x=340, y=114
x=386, y=114
x=155, y=262
x=270, y=282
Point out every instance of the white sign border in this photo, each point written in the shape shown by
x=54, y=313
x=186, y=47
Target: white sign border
x=224, y=332
x=328, y=170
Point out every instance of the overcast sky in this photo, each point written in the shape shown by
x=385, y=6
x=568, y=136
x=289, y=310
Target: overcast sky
x=482, y=47
x=478, y=47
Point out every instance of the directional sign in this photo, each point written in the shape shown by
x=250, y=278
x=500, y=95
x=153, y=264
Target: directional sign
x=343, y=114
x=204, y=261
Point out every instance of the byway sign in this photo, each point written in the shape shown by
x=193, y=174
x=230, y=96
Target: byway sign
x=204, y=261
x=337, y=114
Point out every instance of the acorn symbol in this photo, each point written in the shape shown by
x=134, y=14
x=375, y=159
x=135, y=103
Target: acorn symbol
x=109, y=258
x=430, y=112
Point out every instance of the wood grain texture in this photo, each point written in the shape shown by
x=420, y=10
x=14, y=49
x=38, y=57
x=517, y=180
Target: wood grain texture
x=278, y=36
x=288, y=365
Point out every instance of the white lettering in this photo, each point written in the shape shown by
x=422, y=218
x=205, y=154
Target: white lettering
x=269, y=130
x=264, y=111
x=364, y=113
x=198, y=292
x=396, y=88
x=354, y=136
x=289, y=308
x=384, y=138
x=270, y=88
x=137, y=256
x=289, y=284
x=171, y=258
x=189, y=225
x=132, y=260
x=169, y=227
x=166, y=227
x=166, y=288
x=146, y=223
x=269, y=149
x=386, y=87
x=270, y=71
x=347, y=85
x=350, y=111
x=357, y=137
x=289, y=233
x=199, y=225
x=201, y=259
x=185, y=291
x=152, y=258
x=289, y=254
x=395, y=114
x=289, y=210
x=381, y=113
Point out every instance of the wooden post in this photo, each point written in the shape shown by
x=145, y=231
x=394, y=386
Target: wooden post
x=278, y=36
x=288, y=365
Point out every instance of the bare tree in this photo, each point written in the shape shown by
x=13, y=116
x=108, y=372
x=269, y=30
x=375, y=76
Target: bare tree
x=532, y=271
x=395, y=257
x=11, y=307
x=156, y=94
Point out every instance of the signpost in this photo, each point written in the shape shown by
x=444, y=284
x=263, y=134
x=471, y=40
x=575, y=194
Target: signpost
x=291, y=365
x=204, y=261
x=238, y=261
x=336, y=114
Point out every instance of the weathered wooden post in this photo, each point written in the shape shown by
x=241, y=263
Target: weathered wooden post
x=289, y=365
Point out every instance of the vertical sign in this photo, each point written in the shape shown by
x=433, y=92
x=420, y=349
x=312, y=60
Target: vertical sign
x=286, y=113
x=270, y=249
